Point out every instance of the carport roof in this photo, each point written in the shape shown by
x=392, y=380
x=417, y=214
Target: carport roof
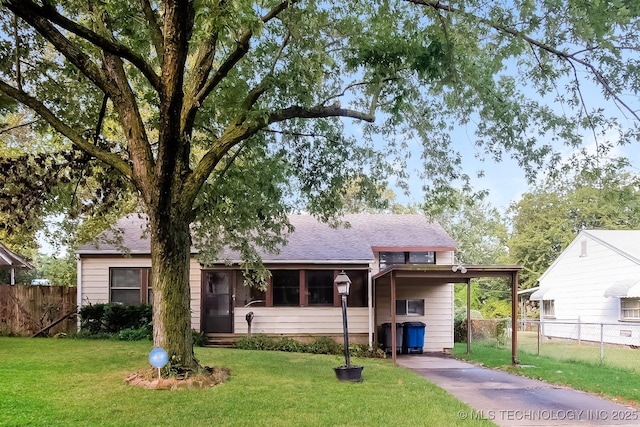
x=447, y=271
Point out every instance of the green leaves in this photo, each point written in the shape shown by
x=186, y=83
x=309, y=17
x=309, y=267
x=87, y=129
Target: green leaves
x=587, y=196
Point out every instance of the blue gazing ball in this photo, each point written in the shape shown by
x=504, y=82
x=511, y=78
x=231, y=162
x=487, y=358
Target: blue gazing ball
x=158, y=357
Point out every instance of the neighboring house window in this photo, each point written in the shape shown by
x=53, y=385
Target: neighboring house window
x=410, y=307
x=630, y=308
x=394, y=258
x=548, y=308
x=320, y=287
x=286, y=287
x=130, y=285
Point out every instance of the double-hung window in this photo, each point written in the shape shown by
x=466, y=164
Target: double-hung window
x=548, y=308
x=630, y=309
x=130, y=285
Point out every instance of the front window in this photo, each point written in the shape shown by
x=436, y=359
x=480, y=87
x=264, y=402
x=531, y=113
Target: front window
x=388, y=259
x=313, y=288
x=286, y=287
x=130, y=286
x=548, y=308
x=630, y=308
x=320, y=287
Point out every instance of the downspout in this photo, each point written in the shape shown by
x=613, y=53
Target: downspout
x=78, y=288
x=370, y=305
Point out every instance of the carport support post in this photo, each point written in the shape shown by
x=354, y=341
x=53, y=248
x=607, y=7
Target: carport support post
x=393, y=316
x=514, y=318
x=468, y=316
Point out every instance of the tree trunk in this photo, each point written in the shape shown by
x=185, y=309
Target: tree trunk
x=170, y=254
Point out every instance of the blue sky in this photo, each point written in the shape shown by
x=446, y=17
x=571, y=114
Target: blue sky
x=506, y=180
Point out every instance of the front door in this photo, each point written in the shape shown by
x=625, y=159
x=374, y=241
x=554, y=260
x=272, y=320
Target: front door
x=217, y=302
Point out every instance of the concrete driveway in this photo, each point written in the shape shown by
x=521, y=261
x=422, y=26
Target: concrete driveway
x=512, y=400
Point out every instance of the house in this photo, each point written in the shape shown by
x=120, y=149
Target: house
x=591, y=292
x=12, y=261
x=401, y=268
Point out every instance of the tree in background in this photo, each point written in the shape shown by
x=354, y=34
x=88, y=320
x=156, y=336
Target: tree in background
x=481, y=234
x=227, y=115
x=585, y=195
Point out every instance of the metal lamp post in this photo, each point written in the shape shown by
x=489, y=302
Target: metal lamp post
x=343, y=283
x=346, y=372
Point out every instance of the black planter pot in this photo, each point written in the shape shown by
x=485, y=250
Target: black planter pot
x=349, y=373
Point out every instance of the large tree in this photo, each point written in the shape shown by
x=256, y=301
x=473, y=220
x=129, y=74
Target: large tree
x=225, y=114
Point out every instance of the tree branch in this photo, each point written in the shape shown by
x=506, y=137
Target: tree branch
x=21, y=125
x=241, y=130
x=105, y=156
x=154, y=28
x=318, y=112
x=70, y=51
x=569, y=57
x=16, y=36
x=28, y=10
x=242, y=47
x=128, y=111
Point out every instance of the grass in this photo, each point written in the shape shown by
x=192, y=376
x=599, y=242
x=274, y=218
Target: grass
x=62, y=382
x=596, y=378
x=615, y=356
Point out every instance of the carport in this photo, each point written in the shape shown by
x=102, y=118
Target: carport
x=395, y=274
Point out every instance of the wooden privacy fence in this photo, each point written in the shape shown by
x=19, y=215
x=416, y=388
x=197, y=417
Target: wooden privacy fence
x=28, y=310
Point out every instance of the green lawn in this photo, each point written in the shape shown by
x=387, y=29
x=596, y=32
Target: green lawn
x=62, y=382
x=615, y=356
x=597, y=378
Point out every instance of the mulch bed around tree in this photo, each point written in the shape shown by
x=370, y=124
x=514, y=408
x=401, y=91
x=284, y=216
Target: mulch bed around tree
x=210, y=377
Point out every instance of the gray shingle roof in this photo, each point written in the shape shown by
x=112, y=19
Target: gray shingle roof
x=311, y=239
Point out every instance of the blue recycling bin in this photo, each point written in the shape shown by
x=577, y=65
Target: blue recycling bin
x=386, y=332
x=413, y=339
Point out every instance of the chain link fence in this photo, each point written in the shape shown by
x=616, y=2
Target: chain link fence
x=612, y=344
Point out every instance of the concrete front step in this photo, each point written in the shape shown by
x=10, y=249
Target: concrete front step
x=220, y=340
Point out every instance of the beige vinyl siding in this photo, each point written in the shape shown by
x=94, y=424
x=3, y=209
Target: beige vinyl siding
x=95, y=281
x=301, y=320
x=196, y=291
x=444, y=258
x=438, y=312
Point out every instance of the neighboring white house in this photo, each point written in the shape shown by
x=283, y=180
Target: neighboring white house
x=592, y=290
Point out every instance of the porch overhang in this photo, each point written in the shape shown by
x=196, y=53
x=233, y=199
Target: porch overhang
x=454, y=274
x=624, y=289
